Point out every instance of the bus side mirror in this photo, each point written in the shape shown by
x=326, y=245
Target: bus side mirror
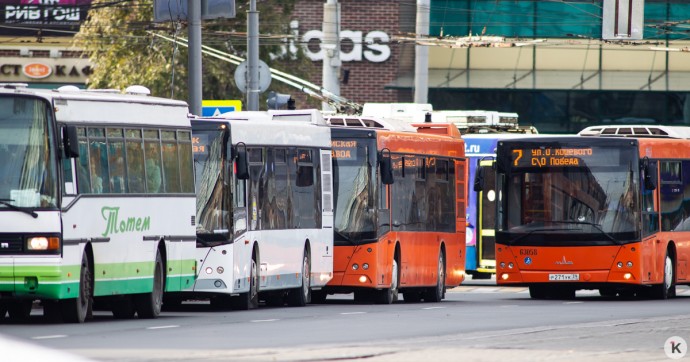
x=386, y=168
x=241, y=163
x=479, y=179
x=649, y=181
x=70, y=141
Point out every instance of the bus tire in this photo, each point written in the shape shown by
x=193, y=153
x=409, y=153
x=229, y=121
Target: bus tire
x=80, y=309
x=299, y=297
x=149, y=305
x=667, y=288
x=390, y=295
x=250, y=299
x=436, y=293
x=20, y=310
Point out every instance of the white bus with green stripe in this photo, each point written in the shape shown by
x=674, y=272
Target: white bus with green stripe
x=264, y=208
x=96, y=202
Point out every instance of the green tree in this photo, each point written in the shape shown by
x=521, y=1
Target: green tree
x=118, y=37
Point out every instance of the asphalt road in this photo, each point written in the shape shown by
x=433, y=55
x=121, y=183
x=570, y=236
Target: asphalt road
x=477, y=322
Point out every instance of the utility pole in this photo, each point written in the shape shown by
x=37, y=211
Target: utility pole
x=331, y=48
x=252, y=57
x=421, y=59
x=194, y=57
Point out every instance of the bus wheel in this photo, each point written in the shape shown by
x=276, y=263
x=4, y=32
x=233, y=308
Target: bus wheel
x=20, y=310
x=299, y=297
x=436, y=294
x=667, y=289
x=79, y=309
x=148, y=305
x=249, y=300
x=122, y=307
x=390, y=295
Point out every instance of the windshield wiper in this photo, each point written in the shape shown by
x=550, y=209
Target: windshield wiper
x=596, y=226
x=511, y=242
x=342, y=236
x=27, y=211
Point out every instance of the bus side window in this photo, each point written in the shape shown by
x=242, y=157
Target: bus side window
x=116, y=160
x=83, y=173
x=135, y=161
x=152, y=161
x=171, y=164
x=184, y=141
x=98, y=158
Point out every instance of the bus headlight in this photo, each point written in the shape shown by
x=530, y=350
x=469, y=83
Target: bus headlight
x=365, y=266
x=629, y=264
x=43, y=243
x=355, y=266
x=209, y=270
x=620, y=264
x=510, y=266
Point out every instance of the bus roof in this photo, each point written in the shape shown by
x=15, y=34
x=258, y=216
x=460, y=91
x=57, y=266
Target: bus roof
x=291, y=127
x=637, y=131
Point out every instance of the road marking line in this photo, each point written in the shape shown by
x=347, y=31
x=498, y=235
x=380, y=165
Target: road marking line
x=50, y=337
x=573, y=302
x=427, y=308
x=163, y=327
x=264, y=320
x=509, y=305
x=351, y=313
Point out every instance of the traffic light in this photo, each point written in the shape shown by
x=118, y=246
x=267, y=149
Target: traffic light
x=279, y=100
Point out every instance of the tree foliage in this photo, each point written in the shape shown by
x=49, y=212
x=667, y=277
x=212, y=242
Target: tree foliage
x=118, y=37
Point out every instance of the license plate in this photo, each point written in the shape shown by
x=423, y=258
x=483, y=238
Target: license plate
x=562, y=277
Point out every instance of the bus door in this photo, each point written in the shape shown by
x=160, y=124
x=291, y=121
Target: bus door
x=486, y=220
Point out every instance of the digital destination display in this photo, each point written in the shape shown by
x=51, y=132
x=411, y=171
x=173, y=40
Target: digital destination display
x=565, y=157
x=199, y=143
x=344, y=150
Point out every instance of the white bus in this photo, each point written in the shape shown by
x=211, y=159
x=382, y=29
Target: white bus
x=264, y=208
x=96, y=201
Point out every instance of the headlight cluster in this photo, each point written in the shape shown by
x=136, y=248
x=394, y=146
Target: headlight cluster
x=43, y=243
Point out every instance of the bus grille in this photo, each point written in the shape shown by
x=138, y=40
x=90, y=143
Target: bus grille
x=10, y=245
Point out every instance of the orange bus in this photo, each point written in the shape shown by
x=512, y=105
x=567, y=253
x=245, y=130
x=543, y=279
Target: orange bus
x=399, y=212
x=606, y=213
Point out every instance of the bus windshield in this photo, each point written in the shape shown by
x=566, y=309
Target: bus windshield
x=597, y=200
x=355, y=215
x=213, y=215
x=28, y=177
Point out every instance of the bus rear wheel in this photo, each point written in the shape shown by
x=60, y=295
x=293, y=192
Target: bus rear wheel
x=250, y=299
x=437, y=293
x=667, y=289
x=80, y=309
x=149, y=305
x=299, y=297
x=390, y=295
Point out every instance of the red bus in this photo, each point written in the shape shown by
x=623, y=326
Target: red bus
x=399, y=212
x=606, y=213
